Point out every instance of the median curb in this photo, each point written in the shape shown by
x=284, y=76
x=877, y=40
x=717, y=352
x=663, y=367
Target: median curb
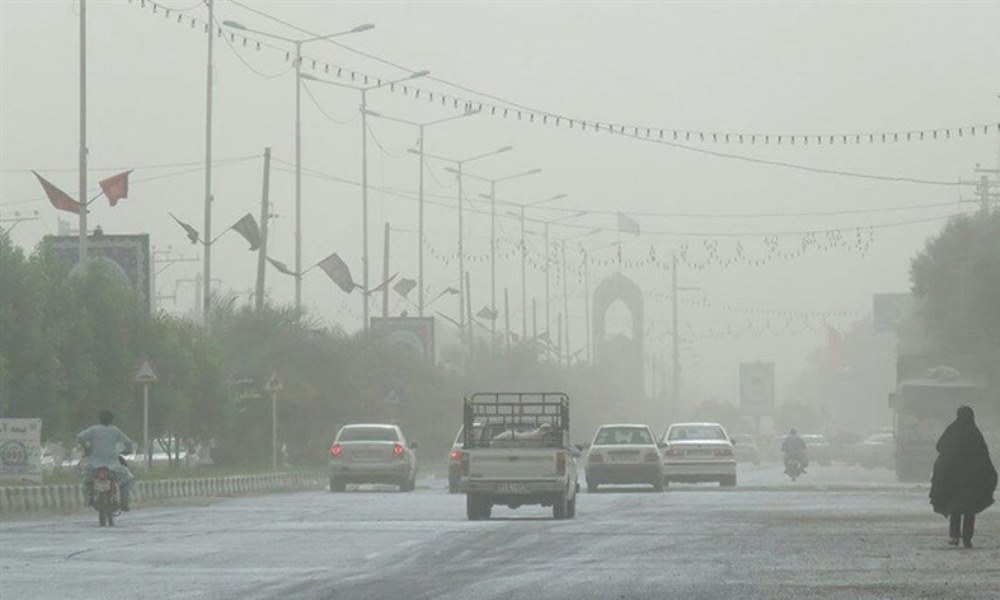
x=68, y=498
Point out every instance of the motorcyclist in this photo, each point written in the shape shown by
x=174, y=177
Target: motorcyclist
x=794, y=448
x=102, y=445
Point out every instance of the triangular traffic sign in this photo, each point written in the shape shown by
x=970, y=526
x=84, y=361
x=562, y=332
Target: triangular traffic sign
x=145, y=374
x=274, y=383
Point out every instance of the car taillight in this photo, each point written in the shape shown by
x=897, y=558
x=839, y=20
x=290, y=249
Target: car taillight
x=336, y=450
x=651, y=457
x=561, y=463
x=455, y=455
x=595, y=457
x=397, y=450
x=102, y=473
x=723, y=452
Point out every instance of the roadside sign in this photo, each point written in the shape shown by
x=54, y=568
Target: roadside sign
x=145, y=374
x=273, y=383
x=757, y=388
x=21, y=449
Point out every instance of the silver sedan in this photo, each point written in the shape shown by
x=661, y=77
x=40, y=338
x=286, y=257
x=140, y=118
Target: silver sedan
x=372, y=453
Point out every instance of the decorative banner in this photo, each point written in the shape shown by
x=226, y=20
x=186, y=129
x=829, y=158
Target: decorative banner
x=247, y=227
x=404, y=286
x=507, y=110
x=627, y=224
x=59, y=199
x=192, y=233
x=115, y=187
x=337, y=270
x=21, y=450
x=280, y=266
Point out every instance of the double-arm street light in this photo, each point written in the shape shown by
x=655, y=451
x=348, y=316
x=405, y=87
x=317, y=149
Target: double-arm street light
x=420, y=218
x=548, y=262
x=459, y=164
x=524, y=258
x=364, y=89
x=298, y=43
x=493, y=236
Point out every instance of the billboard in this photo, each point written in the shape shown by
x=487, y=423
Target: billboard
x=126, y=257
x=21, y=449
x=412, y=335
x=757, y=388
x=890, y=311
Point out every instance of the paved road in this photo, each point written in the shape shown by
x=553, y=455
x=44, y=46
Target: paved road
x=842, y=533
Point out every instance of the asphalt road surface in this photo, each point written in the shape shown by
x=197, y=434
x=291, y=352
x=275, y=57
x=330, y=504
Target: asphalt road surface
x=837, y=533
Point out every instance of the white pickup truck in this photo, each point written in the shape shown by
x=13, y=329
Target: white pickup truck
x=516, y=451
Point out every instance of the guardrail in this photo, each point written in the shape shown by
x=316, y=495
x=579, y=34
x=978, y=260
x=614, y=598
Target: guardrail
x=66, y=498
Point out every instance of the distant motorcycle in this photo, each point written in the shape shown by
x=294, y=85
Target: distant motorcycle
x=794, y=467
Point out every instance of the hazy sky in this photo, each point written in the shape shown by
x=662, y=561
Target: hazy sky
x=738, y=67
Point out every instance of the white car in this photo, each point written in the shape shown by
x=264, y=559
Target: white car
x=372, y=453
x=624, y=454
x=695, y=452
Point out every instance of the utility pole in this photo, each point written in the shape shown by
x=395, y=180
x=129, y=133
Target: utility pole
x=524, y=280
x=676, y=381
x=586, y=299
x=506, y=319
x=83, y=134
x=534, y=326
x=468, y=308
x=568, y=351
x=264, y=217
x=207, y=294
x=548, y=295
x=385, y=274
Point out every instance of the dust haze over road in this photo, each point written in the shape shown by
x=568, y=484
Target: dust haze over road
x=840, y=532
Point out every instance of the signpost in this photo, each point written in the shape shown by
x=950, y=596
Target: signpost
x=146, y=375
x=274, y=386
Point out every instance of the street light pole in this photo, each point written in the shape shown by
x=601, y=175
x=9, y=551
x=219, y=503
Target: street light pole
x=83, y=132
x=298, y=43
x=207, y=293
x=364, y=206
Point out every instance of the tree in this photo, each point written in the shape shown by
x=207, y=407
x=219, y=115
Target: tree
x=957, y=280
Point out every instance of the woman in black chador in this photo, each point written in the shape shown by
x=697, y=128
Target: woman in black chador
x=964, y=476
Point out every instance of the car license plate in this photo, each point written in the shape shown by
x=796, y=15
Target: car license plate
x=624, y=456
x=102, y=485
x=512, y=488
x=367, y=455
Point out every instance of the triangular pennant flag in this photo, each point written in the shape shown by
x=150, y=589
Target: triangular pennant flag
x=486, y=313
x=192, y=233
x=57, y=197
x=337, y=270
x=247, y=227
x=404, y=286
x=115, y=187
x=627, y=224
x=280, y=266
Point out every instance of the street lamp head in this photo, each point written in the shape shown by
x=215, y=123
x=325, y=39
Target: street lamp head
x=234, y=25
x=372, y=113
x=451, y=170
x=413, y=151
x=309, y=76
x=419, y=74
x=469, y=111
x=533, y=172
x=504, y=149
x=364, y=27
x=558, y=197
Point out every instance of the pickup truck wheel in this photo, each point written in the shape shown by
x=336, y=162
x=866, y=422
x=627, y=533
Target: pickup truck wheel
x=477, y=508
x=658, y=485
x=571, y=508
x=728, y=481
x=559, y=507
x=452, y=486
x=591, y=487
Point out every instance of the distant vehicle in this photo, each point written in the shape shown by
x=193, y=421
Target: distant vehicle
x=455, y=457
x=695, y=452
x=818, y=448
x=520, y=455
x=372, y=453
x=923, y=406
x=876, y=451
x=746, y=448
x=624, y=454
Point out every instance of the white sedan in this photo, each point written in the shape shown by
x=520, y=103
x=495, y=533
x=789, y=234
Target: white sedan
x=695, y=452
x=624, y=454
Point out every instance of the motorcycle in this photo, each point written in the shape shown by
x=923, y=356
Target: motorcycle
x=794, y=467
x=107, y=497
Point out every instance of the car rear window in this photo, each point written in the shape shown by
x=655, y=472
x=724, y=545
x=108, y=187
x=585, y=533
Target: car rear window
x=368, y=434
x=696, y=432
x=622, y=435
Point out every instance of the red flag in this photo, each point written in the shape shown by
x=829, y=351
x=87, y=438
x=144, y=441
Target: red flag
x=115, y=187
x=835, y=343
x=57, y=197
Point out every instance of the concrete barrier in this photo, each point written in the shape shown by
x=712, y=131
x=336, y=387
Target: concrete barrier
x=66, y=498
